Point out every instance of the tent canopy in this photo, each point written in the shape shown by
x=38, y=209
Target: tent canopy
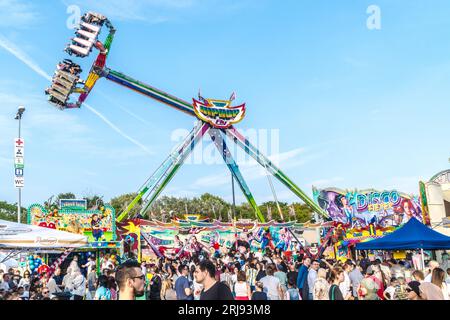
x=21, y=236
x=412, y=235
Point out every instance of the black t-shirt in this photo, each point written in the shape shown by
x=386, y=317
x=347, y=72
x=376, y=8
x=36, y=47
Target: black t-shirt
x=259, y=295
x=219, y=291
x=261, y=274
x=292, y=276
x=335, y=293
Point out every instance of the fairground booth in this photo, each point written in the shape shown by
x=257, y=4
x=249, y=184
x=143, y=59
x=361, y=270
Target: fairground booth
x=363, y=215
x=72, y=216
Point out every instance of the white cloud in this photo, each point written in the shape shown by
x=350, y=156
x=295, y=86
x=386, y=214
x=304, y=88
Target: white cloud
x=22, y=56
x=17, y=14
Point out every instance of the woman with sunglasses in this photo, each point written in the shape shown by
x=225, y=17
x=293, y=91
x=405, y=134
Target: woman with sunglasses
x=413, y=291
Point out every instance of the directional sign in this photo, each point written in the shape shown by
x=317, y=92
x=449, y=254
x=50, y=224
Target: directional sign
x=19, y=182
x=19, y=153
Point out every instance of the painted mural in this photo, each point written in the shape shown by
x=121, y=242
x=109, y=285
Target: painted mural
x=97, y=225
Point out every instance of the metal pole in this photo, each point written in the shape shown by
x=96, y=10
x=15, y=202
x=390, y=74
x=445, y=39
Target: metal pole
x=423, y=259
x=19, y=204
x=234, y=200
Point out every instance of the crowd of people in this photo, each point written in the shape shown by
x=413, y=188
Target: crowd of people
x=234, y=275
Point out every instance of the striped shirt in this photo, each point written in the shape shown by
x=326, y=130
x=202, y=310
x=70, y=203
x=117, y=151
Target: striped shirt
x=251, y=276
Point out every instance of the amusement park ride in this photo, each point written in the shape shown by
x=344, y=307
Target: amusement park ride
x=216, y=117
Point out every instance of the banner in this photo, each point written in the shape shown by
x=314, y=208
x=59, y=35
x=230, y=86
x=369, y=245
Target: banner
x=360, y=209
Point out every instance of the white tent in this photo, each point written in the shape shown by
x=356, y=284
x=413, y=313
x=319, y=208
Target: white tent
x=22, y=236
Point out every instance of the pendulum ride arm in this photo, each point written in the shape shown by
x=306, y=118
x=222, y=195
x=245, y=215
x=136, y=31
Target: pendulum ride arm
x=148, y=91
x=245, y=144
x=218, y=138
x=156, y=183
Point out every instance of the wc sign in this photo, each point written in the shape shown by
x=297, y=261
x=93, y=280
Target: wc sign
x=19, y=152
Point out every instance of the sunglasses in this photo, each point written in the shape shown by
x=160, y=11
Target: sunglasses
x=139, y=277
x=45, y=292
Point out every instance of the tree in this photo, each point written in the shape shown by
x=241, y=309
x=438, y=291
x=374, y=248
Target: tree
x=121, y=202
x=8, y=212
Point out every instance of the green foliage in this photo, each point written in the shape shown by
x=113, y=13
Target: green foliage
x=8, y=212
x=121, y=202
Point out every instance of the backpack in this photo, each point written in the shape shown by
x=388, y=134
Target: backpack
x=293, y=294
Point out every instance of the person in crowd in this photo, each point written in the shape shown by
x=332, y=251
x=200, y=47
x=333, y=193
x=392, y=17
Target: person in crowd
x=242, y=288
x=335, y=279
x=292, y=273
x=413, y=290
x=281, y=275
x=25, y=280
x=154, y=292
x=78, y=285
x=112, y=286
x=272, y=285
x=167, y=291
x=130, y=280
x=182, y=285
x=302, y=277
x=102, y=292
x=292, y=292
x=431, y=266
x=438, y=279
x=91, y=282
x=261, y=271
x=389, y=292
x=368, y=287
x=355, y=276
x=418, y=276
x=212, y=289
x=259, y=293
x=321, y=286
x=251, y=273
x=52, y=286
x=311, y=278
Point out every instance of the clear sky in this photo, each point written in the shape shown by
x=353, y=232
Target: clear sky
x=352, y=107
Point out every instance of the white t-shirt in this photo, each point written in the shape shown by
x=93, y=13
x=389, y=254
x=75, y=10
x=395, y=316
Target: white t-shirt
x=391, y=291
x=90, y=265
x=4, y=285
x=271, y=285
x=345, y=285
x=240, y=289
x=259, y=255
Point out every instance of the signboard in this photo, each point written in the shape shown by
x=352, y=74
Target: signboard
x=19, y=153
x=218, y=113
x=73, y=204
x=98, y=225
x=19, y=182
x=360, y=209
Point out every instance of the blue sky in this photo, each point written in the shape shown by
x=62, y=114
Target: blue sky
x=354, y=108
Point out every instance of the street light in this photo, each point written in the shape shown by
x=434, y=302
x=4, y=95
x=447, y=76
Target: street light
x=19, y=114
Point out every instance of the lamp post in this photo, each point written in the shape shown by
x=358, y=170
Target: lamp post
x=19, y=114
